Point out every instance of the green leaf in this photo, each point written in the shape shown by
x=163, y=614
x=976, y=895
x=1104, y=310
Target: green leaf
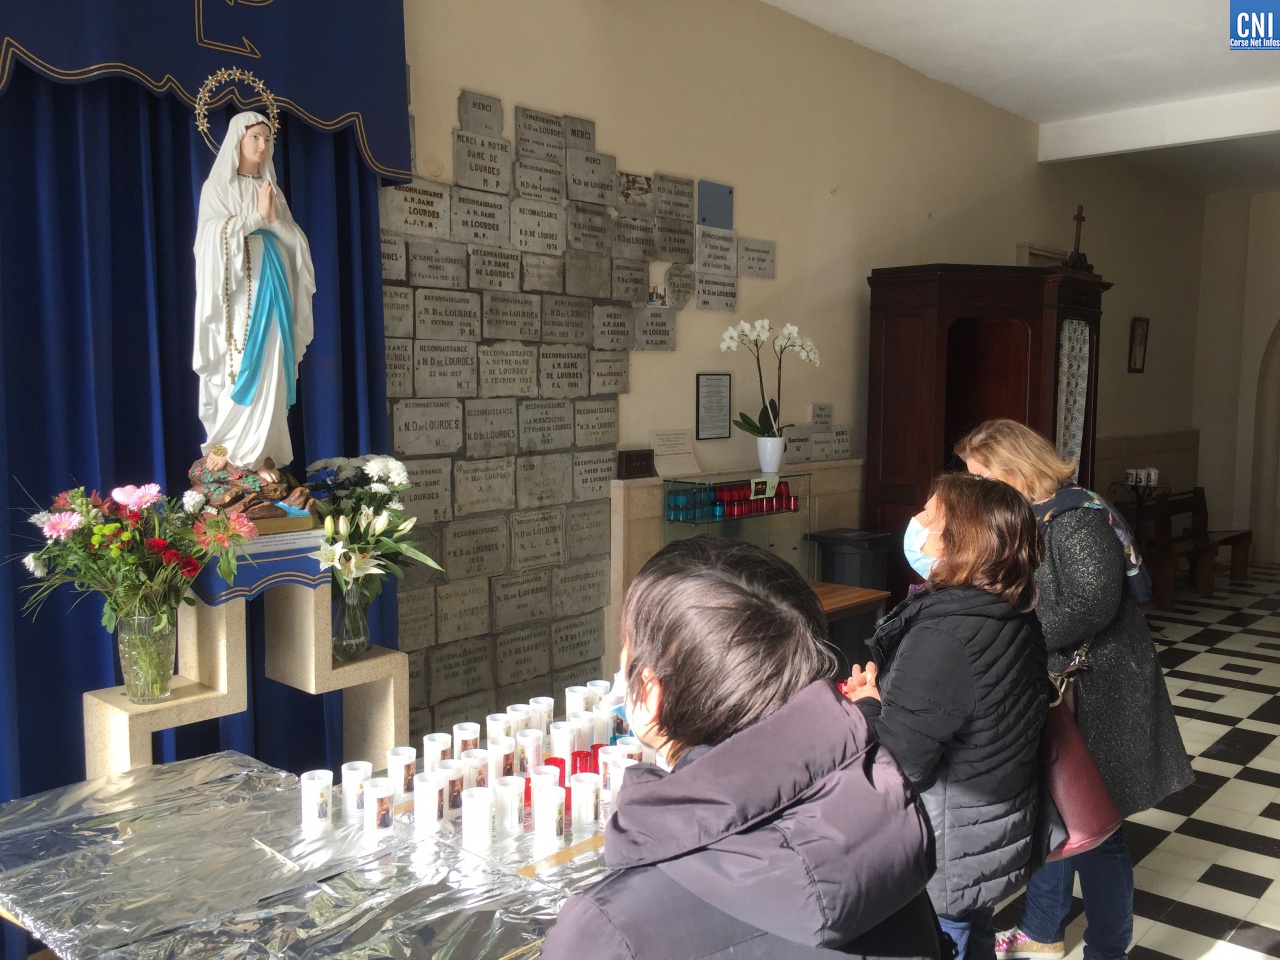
x=747, y=425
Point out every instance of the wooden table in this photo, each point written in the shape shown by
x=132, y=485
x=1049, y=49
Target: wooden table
x=839, y=601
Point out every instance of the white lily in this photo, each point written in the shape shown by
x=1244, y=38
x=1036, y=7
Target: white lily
x=380, y=523
x=406, y=525
x=344, y=526
x=366, y=516
x=364, y=565
x=328, y=527
x=329, y=554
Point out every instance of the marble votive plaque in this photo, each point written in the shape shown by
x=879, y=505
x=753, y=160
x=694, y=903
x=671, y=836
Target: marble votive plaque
x=491, y=428
x=524, y=653
x=397, y=311
x=679, y=279
x=426, y=427
x=562, y=371
x=393, y=258
x=635, y=195
x=579, y=587
x=655, y=328
x=589, y=176
x=841, y=448
x=675, y=240
x=595, y=422
x=579, y=134
x=592, y=472
x=474, y=706
x=458, y=668
x=444, y=368
x=512, y=316
x=479, y=114
x=573, y=641
x=399, y=364
x=540, y=179
x=756, y=258
x=587, y=529
x=521, y=598
x=537, y=538
x=566, y=320
x=416, y=610
x=541, y=274
x=462, y=609
x=587, y=275
x=717, y=252
x=493, y=269
x=609, y=371
x=545, y=425
x=438, y=263
x=430, y=493
x=630, y=280
x=634, y=239
x=419, y=208
x=613, y=327
x=537, y=226
x=589, y=228
x=480, y=486
x=539, y=135
x=475, y=548
x=673, y=197
x=477, y=217
x=508, y=368
x=481, y=161
x=717, y=293
x=446, y=315
x=544, y=480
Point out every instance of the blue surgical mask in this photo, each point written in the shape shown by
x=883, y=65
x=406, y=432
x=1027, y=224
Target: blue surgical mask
x=912, y=544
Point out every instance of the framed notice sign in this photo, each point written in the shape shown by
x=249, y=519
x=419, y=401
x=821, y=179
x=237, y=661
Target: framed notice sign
x=714, y=390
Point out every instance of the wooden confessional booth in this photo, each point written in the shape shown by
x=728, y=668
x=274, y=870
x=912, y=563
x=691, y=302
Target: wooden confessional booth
x=955, y=344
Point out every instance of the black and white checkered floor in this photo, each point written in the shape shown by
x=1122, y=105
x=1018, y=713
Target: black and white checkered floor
x=1207, y=860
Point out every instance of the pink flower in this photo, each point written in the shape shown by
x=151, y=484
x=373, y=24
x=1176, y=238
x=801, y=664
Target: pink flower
x=137, y=498
x=242, y=525
x=60, y=525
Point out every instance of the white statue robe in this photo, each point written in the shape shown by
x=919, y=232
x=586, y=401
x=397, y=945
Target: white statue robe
x=257, y=431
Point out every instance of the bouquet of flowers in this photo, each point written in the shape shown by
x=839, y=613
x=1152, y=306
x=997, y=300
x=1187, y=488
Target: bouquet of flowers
x=137, y=548
x=365, y=537
x=754, y=338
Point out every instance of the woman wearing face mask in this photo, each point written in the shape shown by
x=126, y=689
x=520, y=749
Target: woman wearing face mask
x=957, y=691
x=1092, y=586
x=783, y=830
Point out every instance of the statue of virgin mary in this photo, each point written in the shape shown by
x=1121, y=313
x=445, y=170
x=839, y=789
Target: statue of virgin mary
x=254, y=281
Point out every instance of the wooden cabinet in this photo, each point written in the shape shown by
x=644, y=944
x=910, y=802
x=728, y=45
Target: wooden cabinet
x=955, y=344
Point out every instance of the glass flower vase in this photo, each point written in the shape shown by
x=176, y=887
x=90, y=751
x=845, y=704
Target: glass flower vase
x=147, y=652
x=350, y=621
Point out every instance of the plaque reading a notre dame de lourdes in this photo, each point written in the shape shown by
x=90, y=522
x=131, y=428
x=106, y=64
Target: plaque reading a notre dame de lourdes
x=479, y=217
x=438, y=263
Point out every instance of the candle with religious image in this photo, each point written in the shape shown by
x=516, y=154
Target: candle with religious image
x=316, y=788
x=547, y=776
x=606, y=763
x=379, y=797
x=544, y=711
x=502, y=758
x=521, y=715
x=563, y=739
x=475, y=769
x=596, y=690
x=435, y=747
x=452, y=770
x=496, y=725
x=608, y=722
x=528, y=751
x=354, y=776
x=466, y=736
x=575, y=700
x=548, y=811
x=430, y=800
x=633, y=747
x=584, y=729
x=586, y=802
x=508, y=808
x=401, y=766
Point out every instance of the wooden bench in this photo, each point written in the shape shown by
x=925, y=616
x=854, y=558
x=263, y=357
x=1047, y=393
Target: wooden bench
x=1163, y=548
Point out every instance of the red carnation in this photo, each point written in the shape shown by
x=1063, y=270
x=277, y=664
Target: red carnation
x=190, y=567
x=170, y=557
x=133, y=518
x=157, y=546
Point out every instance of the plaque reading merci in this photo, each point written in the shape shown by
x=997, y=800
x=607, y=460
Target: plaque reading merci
x=673, y=453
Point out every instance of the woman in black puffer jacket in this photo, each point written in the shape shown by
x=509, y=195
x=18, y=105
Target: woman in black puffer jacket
x=958, y=693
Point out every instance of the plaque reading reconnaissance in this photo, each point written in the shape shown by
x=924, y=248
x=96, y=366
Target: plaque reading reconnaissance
x=539, y=135
x=755, y=258
x=614, y=327
x=475, y=548
x=589, y=228
x=479, y=217
x=521, y=598
x=426, y=427
x=595, y=422
x=480, y=486
x=634, y=239
x=587, y=529
x=541, y=274
x=655, y=328
x=562, y=371
x=544, y=480
x=609, y=371
x=462, y=612
x=717, y=251
x=430, y=494
x=481, y=162
x=545, y=425
x=590, y=176
x=508, y=368
x=635, y=196
x=675, y=240
x=574, y=640
x=491, y=428
x=419, y=208
x=592, y=473
x=579, y=587
x=587, y=275
x=537, y=227
x=510, y=316
x=458, y=668
x=717, y=293
x=537, y=538
x=479, y=114
x=673, y=197
x=494, y=269
x=438, y=263
x=525, y=653
x=393, y=259
x=566, y=320
x=397, y=311
x=630, y=280
x=446, y=315
x=399, y=364
x=444, y=368
x=540, y=180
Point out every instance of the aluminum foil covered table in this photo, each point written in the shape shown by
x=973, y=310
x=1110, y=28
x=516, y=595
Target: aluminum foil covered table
x=207, y=858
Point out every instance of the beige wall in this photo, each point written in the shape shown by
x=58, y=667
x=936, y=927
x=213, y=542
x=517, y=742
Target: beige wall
x=846, y=158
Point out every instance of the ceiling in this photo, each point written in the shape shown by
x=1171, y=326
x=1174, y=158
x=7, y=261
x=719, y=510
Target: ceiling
x=1153, y=79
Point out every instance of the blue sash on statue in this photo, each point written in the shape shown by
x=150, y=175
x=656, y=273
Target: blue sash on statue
x=272, y=305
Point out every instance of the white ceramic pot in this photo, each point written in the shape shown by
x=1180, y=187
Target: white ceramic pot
x=769, y=450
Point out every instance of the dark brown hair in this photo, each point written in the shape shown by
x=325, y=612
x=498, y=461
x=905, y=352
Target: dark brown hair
x=990, y=539
x=730, y=630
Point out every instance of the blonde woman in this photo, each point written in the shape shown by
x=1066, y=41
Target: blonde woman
x=1092, y=586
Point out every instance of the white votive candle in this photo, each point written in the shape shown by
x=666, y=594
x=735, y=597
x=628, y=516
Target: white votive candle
x=355, y=774
x=316, y=787
x=502, y=758
x=521, y=715
x=401, y=766
x=584, y=729
x=563, y=739
x=435, y=747
x=477, y=818
x=616, y=777
x=528, y=751
x=430, y=799
x=545, y=776
x=586, y=801
x=452, y=770
x=548, y=812
x=608, y=760
x=633, y=747
x=475, y=769
x=466, y=736
x=508, y=797
x=598, y=689
x=379, y=798
x=575, y=700
x=496, y=725
x=544, y=711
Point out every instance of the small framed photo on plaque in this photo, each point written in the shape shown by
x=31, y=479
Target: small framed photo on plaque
x=714, y=393
x=1139, y=327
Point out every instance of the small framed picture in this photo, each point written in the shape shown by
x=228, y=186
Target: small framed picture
x=1138, y=328
x=715, y=392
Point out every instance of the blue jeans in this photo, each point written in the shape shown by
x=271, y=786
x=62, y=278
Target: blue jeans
x=974, y=936
x=1106, y=883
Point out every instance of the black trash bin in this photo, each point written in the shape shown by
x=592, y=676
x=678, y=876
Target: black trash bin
x=855, y=558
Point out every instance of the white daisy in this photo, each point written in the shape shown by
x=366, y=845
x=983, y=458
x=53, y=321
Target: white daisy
x=35, y=566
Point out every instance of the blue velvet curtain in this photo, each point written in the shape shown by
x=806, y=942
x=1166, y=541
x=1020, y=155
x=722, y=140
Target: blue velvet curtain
x=99, y=185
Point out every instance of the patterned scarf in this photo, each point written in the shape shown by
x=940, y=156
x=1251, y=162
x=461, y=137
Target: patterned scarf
x=1073, y=497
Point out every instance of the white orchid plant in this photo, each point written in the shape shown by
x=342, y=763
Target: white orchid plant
x=754, y=339
x=364, y=522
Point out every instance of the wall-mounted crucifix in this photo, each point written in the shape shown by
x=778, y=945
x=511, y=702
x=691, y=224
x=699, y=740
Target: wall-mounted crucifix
x=1077, y=260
